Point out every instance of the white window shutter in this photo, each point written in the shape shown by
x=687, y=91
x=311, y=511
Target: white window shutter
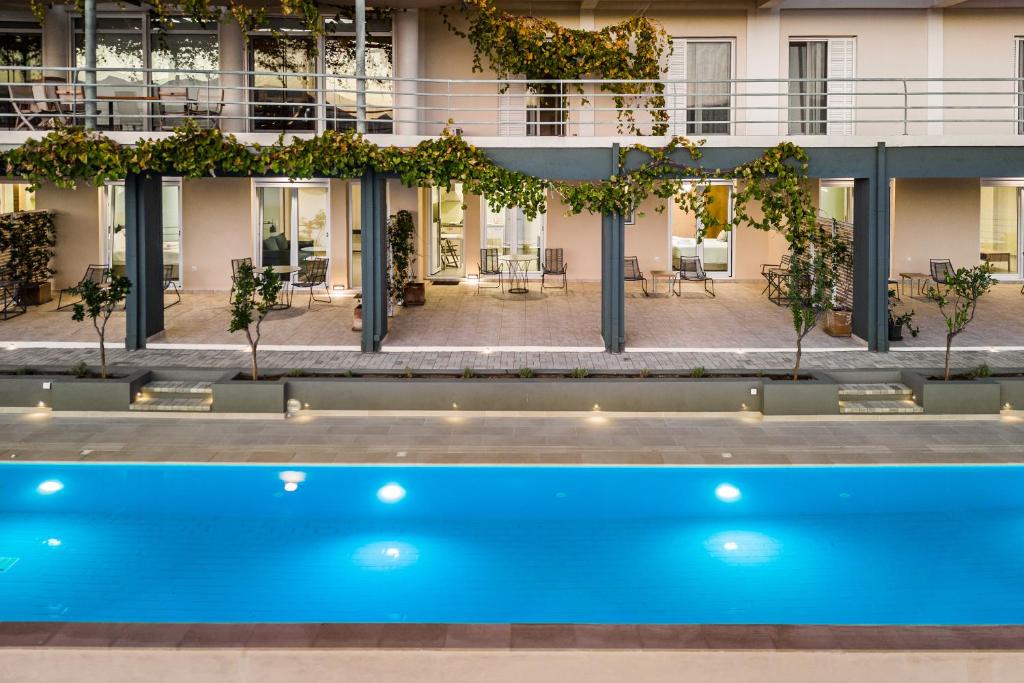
x=512, y=111
x=675, y=89
x=841, y=61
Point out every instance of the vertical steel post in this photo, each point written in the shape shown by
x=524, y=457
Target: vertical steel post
x=871, y=255
x=89, y=21
x=374, y=257
x=144, y=258
x=360, y=20
x=613, y=287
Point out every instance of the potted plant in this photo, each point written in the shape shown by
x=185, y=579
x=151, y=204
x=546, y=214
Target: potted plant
x=357, y=314
x=958, y=302
x=898, y=322
x=98, y=303
x=839, y=322
x=29, y=238
x=402, y=289
x=255, y=294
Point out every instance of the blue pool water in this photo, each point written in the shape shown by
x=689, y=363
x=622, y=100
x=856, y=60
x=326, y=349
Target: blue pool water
x=789, y=545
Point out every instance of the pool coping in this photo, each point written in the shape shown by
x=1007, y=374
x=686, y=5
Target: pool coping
x=419, y=636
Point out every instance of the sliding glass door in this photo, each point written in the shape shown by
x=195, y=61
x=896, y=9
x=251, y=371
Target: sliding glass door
x=1000, y=233
x=715, y=250
x=447, y=232
x=292, y=223
x=114, y=226
x=513, y=234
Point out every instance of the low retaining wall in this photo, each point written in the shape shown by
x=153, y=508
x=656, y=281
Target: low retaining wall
x=955, y=397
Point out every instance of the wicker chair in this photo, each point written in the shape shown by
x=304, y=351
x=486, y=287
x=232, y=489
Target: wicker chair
x=555, y=266
x=489, y=265
x=632, y=272
x=171, y=284
x=95, y=272
x=236, y=263
x=313, y=273
x=690, y=269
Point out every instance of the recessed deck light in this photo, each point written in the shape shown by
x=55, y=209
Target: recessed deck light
x=49, y=486
x=390, y=493
x=727, y=493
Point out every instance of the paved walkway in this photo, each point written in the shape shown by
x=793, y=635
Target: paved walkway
x=463, y=439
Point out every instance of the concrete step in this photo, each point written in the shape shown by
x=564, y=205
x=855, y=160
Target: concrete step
x=879, y=407
x=886, y=391
x=172, y=404
x=178, y=387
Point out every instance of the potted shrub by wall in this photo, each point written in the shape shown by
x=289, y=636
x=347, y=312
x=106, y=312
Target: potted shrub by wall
x=898, y=322
x=839, y=322
x=402, y=288
x=29, y=237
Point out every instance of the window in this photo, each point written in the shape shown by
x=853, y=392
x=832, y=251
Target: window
x=820, y=97
x=537, y=110
x=513, y=234
x=21, y=45
x=699, y=94
x=16, y=197
x=340, y=58
x=835, y=200
x=114, y=220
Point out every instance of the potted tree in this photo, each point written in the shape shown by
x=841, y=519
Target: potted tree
x=402, y=288
x=958, y=302
x=29, y=238
x=255, y=294
x=98, y=303
x=898, y=322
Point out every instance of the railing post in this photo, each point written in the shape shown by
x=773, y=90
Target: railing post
x=360, y=19
x=89, y=20
x=906, y=106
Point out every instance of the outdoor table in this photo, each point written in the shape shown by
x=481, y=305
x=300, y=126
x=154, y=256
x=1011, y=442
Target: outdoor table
x=661, y=275
x=286, y=277
x=992, y=256
x=919, y=279
x=111, y=100
x=518, y=269
x=10, y=303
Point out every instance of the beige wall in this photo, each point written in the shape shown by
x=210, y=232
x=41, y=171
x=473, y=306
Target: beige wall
x=935, y=218
x=78, y=230
x=217, y=226
x=339, y=232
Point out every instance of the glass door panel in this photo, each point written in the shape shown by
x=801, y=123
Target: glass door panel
x=512, y=234
x=275, y=226
x=293, y=224
x=313, y=236
x=355, y=236
x=1000, y=230
x=114, y=220
x=171, y=206
x=115, y=228
x=715, y=250
x=447, y=232
x=282, y=100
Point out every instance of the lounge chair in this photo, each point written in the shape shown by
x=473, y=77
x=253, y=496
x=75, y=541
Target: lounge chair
x=489, y=266
x=95, y=272
x=632, y=272
x=313, y=273
x=555, y=266
x=690, y=269
x=940, y=270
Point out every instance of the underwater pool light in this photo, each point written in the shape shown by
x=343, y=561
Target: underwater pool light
x=53, y=542
x=390, y=493
x=727, y=493
x=49, y=486
x=731, y=545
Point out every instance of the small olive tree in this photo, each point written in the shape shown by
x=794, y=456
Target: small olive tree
x=255, y=295
x=958, y=302
x=98, y=303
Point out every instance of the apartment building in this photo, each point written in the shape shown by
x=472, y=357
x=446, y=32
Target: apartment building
x=912, y=112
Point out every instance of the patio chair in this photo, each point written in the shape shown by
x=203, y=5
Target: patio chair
x=940, y=270
x=632, y=272
x=555, y=266
x=208, y=106
x=97, y=273
x=171, y=283
x=489, y=266
x=173, y=107
x=449, y=255
x=236, y=263
x=22, y=99
x=690, y=269
x=770, y=270
x=313, y=273
x=71, y=102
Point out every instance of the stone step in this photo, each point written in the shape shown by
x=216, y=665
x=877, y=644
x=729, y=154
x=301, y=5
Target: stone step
x=172, y=404
x=879, y=407
x=178, y=387
x=884, y=391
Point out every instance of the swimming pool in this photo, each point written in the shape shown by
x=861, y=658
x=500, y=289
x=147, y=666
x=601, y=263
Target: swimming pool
x=779, y=545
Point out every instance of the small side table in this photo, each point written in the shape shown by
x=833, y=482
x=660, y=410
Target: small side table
x=656, y=275
x=919, y=279
x=284, y=299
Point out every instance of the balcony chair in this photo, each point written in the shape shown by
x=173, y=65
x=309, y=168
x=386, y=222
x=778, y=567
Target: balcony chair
x=71, y=102
x=690, y=269
x=95, y=272
x=313, y=273
x=27, y=112
x=208, y=106
x=171, y=283
x=173, y=107
x=940, y=270
x=632, y=272
x=489, y=266
x=555, y=266
x=236, y=264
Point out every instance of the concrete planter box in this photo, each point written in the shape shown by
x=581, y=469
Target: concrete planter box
x=651, y=394
x=26, y=391
x=89, y=394
x=955, y=397
x=818, y=396
x=1011, y=392
x=231, y=395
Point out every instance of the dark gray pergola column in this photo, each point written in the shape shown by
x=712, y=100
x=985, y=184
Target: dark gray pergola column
x=613, y=288
x=144, y=258
x=374, y=260
x=871, y=254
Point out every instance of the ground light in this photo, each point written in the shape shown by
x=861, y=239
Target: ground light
x=390, y=493
x=292, y=479
x=49, y=486
x=727, y=493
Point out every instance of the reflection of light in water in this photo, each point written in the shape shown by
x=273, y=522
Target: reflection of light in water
x=390, y=493
x=727, y=493
x=386, y=555
x=49, y=486
x=53, y=542
x=742, y=547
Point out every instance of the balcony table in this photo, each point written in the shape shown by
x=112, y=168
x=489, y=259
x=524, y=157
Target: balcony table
x=518, y=269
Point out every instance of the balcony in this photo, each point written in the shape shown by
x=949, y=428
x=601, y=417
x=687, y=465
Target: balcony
x=812, y=110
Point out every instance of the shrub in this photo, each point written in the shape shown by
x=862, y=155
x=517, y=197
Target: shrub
x=578, y=373
x=98, y=303
x=525, y=373
x=255, y=294
x=79, y=369
x=958, y=302
x=697, y=372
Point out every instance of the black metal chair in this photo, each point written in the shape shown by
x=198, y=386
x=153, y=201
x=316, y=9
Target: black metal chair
x=171, y=283
x=489, y=265
x=632, y=272
x=940, y=269
x=236, y=263
x=313, y=273
x=769, y=271
x=555, y=266
x=690, y=269
x=95, y=272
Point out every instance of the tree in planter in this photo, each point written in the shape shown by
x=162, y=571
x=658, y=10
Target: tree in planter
x=958, y=302
x=29, y=238
x=401, y=241
x=255, y=294
x=98, y=303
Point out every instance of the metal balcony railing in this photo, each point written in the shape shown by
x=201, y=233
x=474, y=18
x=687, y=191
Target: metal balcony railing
x=40, y=98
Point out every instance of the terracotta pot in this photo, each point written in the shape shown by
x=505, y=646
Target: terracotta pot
x=839, y=323
x=357, y=318
x=414, y=295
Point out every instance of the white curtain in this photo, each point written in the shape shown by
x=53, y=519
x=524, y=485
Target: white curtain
x=708, y=70
x=807, y=98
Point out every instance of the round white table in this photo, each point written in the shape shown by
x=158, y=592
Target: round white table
x=518, y=272
x=284, y=299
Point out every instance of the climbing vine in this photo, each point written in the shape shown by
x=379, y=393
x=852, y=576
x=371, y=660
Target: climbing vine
x=633, y=51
